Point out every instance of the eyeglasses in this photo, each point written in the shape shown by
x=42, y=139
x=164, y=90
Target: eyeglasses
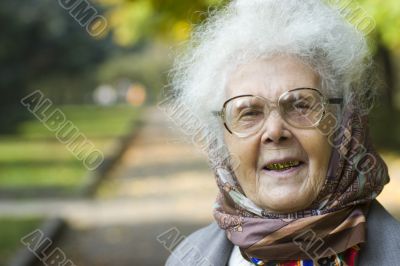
x=245, y=115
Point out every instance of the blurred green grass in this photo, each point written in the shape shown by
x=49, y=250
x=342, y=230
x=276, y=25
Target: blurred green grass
x=11, y=231
x=94, y=121
x=35, y=159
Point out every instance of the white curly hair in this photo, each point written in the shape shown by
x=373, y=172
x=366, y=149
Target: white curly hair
x=245, y=30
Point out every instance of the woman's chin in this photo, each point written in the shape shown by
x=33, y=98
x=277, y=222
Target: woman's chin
x=284, y=202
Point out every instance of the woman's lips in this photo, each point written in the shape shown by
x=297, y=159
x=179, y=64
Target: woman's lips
x=282, y=165
x=283, y=168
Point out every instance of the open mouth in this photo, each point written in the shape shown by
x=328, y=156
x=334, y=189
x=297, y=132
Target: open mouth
x=282, y=166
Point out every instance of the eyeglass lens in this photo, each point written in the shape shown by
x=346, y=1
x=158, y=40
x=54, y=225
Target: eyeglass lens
x=301, y=108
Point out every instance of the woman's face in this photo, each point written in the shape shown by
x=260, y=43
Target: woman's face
x=277, y=142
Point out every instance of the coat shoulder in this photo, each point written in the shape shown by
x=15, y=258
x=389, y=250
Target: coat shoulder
x=383, y=238
x=206, y=246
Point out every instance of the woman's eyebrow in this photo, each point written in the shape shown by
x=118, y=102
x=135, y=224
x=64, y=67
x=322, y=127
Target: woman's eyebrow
x=242, y=103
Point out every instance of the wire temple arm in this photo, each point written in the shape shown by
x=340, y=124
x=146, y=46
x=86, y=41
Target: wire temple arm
x=216, y=113
x=335, y=100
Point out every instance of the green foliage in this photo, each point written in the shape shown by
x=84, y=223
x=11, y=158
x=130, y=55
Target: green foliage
x=148, y=66
x=134, y=20
x=11, y=231
x=381, y=118
x=379, y=19
x=387, y=16
x=39, y=43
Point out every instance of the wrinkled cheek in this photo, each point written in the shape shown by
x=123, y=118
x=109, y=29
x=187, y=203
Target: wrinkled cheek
x=246, y=174
x=244, y=154
x=315, y=179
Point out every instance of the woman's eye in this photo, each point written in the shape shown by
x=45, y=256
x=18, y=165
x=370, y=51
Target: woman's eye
x=301, y=104
x=250, y=113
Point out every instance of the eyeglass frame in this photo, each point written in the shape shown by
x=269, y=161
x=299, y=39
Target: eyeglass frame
x=276, y=104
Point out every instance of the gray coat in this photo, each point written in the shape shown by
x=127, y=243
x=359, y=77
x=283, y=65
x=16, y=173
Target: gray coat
x=209, y=245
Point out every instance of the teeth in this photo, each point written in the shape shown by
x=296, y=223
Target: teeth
x=282, y=166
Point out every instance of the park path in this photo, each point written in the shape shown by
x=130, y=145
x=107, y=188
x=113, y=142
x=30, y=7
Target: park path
x=161, y=182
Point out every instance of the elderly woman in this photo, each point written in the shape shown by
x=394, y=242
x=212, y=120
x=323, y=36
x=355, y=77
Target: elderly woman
x=277, y=94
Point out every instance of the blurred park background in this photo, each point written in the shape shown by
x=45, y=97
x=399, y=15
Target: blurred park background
x=107, y=82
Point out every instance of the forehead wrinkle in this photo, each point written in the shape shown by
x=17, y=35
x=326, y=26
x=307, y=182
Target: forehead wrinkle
x=240, y=103
x=269, y=78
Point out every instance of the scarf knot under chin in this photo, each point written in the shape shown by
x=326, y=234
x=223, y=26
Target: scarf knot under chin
x=332, y=224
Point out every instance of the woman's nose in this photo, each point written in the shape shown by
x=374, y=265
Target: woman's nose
x=274, y=130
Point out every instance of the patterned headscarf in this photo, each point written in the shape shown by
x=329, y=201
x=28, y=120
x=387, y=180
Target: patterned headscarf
x=334, y=222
